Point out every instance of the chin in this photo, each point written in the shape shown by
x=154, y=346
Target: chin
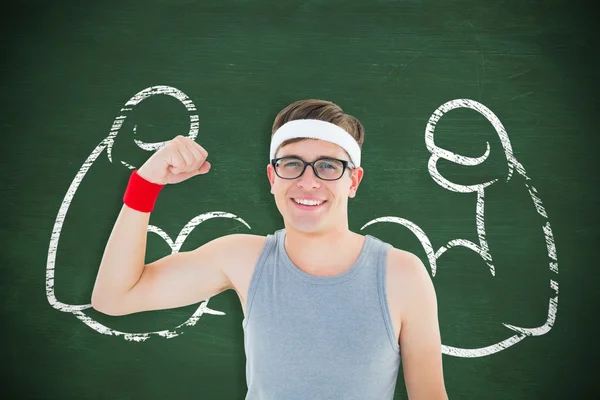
x=303, y=221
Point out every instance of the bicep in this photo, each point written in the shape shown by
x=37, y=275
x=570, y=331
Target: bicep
x=181, y=279
x=420, y=340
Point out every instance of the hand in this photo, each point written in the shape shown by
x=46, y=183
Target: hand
x=178, y=160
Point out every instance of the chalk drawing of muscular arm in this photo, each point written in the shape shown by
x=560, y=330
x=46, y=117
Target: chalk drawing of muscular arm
x=106, y=145
x=482, y=248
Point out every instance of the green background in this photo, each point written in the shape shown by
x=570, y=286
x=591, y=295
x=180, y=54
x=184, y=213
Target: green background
x=69, y=67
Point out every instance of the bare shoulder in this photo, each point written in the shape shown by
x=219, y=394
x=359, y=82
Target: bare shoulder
x=240, y=254
x=236, y=250
x=244, y=240
x=405, y=262
x=415, y=301
x=245, y=244
x=409, y=282
x=406, y=265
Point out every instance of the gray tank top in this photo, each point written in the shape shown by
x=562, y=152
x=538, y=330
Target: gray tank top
x=309, y=337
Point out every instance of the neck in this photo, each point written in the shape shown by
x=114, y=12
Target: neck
x=323, y=253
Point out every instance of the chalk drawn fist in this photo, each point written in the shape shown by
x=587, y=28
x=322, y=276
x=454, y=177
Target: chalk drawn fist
x=179, y=159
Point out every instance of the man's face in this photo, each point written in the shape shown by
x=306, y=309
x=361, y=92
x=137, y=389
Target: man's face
x=333, y=196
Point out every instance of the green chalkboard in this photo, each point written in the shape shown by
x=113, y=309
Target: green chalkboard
x=480, y=157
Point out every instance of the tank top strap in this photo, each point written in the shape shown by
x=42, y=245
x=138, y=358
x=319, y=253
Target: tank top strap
x=267, y=252
x=381, y=250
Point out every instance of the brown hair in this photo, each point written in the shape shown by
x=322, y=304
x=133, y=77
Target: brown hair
x=322, y=110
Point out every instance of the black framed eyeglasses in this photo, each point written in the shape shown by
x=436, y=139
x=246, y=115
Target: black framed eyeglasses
x=327, y=169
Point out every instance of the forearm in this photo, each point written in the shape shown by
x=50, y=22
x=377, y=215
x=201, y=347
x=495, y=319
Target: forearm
x=123, y=260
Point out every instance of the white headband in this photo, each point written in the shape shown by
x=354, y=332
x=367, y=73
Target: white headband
x=316, y=129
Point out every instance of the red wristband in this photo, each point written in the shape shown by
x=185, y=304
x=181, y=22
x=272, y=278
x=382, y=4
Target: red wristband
x=141, y=194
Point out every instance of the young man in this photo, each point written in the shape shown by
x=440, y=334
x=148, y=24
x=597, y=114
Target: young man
x=326, y=309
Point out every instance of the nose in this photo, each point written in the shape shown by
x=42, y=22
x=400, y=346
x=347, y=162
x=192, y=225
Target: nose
x=308, y=179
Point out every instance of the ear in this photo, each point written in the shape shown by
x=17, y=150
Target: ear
x=355, y=178
x=271, y=176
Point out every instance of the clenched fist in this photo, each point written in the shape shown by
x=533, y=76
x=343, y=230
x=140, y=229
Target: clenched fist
x=178, y=160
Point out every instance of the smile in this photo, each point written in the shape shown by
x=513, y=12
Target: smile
x=308, y=204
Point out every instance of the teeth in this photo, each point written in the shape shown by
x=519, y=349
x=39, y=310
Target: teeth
x=308, y=202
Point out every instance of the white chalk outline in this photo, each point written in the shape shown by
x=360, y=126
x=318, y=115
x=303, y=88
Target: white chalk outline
x=482, y=249
x=106, y=144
